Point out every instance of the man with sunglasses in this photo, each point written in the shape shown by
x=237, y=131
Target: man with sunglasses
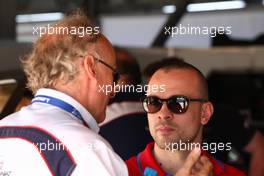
x=176, y=116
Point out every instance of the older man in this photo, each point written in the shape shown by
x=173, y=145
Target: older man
x=176, y=117
x=57, y=133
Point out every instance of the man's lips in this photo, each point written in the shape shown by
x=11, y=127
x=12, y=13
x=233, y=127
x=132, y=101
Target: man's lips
x=165, y=129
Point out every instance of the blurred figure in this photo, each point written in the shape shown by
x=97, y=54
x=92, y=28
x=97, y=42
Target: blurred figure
x=25, y=100
x=255, y=147
x=238, y=98
x=126, y=125
x=130, y=75
x=128, y=67
x=228, y=125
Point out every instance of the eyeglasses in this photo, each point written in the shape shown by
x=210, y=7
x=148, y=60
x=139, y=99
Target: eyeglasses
x=176, y=104
x=116, y=75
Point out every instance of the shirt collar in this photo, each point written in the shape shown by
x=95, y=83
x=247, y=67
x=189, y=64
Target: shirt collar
x=147, y=160
x=87, y=117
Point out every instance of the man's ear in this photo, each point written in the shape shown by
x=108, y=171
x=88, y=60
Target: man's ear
x=207, y=112
x=89, y=67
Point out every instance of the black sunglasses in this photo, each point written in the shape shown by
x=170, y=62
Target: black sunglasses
x=116, y=74
x=176, y=104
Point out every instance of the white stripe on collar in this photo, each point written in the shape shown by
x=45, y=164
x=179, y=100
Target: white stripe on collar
x=88, y=118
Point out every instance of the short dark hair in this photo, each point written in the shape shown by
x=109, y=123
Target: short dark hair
x=175, y=63
x=128, y=65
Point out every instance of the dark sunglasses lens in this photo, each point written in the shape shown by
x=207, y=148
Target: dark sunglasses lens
x=177, y=105
x=152, y=104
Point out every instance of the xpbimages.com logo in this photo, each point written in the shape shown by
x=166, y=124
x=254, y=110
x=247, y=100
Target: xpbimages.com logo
x=212, y=147
x=108, y=89
x=212, y=31
x=58, y=146
x=62, y=30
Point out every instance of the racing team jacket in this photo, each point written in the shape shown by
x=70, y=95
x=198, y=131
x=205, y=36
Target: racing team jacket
x=55, y=135
x=144, y=164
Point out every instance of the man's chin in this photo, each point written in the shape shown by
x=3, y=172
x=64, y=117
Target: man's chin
x=166, y=142
x=163, y=143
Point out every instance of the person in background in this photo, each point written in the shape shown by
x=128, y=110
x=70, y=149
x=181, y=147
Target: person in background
x=25, y=99
x=130, y=75
x=247, y=143
x=126, y=126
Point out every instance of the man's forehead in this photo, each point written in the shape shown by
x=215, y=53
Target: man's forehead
x=169, y=73
x=175, y=81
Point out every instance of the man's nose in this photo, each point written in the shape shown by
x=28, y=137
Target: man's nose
x=165, y=113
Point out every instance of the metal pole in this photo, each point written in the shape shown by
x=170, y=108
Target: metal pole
x=7, y=22
x=173, y=19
